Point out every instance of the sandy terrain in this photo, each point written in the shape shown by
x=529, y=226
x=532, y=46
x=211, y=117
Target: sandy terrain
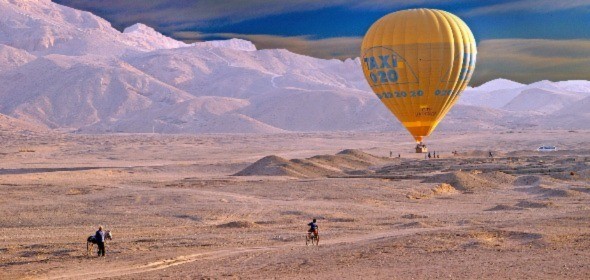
x=178, y=212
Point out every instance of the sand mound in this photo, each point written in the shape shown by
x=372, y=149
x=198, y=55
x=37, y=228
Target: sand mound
x=498, y=238
x=354, y=152
x=362, y=156
x=269, y=166
x=485, y=238
x=347, y=161
x=310, y=169
x=238, y=224
x=534, y=204
x=497, y=177
x=552, y=192
x=529, y=180
x=278, y=166
x=469, y=181
x=442, y=189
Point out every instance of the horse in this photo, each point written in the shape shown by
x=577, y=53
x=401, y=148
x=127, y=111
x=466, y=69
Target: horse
x=313, y=237
x=91, y=240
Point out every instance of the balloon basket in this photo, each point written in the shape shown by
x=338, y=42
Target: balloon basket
x=421, y=148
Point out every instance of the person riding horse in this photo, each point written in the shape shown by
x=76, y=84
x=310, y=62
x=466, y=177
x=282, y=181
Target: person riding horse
x=313, y=235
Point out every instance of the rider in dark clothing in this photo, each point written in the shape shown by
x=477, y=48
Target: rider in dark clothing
x=313, y=227
x=99, y=236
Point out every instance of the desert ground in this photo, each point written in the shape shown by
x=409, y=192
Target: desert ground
x=177, y=210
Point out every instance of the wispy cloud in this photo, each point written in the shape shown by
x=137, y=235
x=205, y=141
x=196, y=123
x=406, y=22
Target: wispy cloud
x=169, y=14
x=537, y=6
x=522, y=60
x=337, y=47
x=530, y=60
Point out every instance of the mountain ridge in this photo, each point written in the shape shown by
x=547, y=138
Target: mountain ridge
x=70, y=70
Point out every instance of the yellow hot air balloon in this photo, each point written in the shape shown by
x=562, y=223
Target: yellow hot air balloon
x=417, y=62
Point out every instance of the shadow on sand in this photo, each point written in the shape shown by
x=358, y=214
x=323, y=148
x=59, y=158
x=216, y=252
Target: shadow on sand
x=17, y=171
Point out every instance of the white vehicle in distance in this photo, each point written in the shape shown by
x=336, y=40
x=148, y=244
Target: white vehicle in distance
x=547, y=149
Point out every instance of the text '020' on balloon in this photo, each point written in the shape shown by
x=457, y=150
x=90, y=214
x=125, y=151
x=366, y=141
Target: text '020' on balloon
x=383, y=65
x=417, y=62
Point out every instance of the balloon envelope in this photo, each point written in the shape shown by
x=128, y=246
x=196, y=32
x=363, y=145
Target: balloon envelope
x=417, y=62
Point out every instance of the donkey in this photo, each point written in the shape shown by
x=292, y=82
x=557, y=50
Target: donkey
x=91, y=240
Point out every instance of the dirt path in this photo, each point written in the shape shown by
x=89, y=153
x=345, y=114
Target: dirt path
x=90, y=273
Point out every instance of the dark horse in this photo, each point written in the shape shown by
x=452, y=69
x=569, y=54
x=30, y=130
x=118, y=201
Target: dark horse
x=91, y=240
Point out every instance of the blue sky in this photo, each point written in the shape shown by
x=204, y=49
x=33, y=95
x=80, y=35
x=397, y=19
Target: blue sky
x=530, y=32
x=342, y=21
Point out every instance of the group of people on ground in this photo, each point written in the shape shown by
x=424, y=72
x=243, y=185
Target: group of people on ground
x=433, y=155
x=391, y=154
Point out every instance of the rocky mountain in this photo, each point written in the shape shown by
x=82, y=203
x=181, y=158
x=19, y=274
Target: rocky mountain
x=493, y=94
x=67, y=69
x=542, y=100
x=11, y=125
